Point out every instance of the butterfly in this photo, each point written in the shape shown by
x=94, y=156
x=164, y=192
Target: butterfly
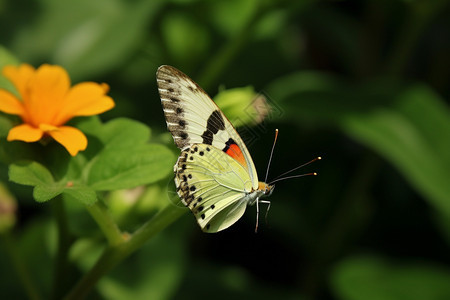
x=214, y=175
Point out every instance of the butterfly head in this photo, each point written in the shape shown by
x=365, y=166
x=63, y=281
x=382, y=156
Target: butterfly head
x=267, y=189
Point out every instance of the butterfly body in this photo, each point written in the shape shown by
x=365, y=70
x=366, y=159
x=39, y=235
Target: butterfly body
x=214, y=175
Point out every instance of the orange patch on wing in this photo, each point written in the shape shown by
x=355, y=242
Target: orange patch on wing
x=235, y=152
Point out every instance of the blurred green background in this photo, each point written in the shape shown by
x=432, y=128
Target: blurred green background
x=364, y=84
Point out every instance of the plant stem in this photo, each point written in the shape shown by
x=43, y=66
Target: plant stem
x=106, y=223
x=20, y=267
x=115, y=253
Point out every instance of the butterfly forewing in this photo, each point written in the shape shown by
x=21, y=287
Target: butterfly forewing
x=193, y=118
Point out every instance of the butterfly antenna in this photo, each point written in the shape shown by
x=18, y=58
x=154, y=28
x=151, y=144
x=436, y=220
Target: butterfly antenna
x=296, y=168
x=293, y=176
x=271, y=154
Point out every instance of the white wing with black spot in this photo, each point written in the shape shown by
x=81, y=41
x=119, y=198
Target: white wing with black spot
x=193, y=118
x=213, y=185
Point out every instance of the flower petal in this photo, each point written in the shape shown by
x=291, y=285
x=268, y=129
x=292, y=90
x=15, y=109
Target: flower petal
x=19, y=76
x=47, y=90
x=25, y=133
x=10, y=104
x=70, y=137
x=85, y=99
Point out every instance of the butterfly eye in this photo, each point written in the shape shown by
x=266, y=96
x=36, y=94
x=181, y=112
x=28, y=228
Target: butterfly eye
x=269, y=190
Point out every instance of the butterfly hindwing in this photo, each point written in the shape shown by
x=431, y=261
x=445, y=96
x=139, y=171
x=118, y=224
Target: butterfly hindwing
x=193, y=118
x=213, y=185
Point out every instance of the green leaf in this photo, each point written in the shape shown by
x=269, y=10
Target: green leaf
x=373, y=278
x=124, y=133
x=409, y=127
x=126, y=159
x=43, y=193
x=30, y=173
x=45, y=187
x=81, y=193
x=431, y=117
x=35, y=174
x=323, y=99
x=412, y=140
x=76, y=191
x=120, y=132
x=121, y=168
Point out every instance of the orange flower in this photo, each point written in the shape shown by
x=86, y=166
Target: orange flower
x=47, y=102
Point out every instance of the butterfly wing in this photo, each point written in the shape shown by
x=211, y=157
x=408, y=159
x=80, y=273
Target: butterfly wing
x=213, y=185
x=193, y=118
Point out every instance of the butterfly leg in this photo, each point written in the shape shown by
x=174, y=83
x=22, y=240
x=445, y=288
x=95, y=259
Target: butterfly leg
x=257, y=211
x=257, y=215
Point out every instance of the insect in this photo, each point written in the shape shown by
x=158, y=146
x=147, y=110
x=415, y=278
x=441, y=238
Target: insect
x=214, y=175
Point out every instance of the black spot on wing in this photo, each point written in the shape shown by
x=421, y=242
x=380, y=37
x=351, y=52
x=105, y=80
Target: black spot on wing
x=213, y=125
x=175, y=118
x=183, y=135
x=228, y=144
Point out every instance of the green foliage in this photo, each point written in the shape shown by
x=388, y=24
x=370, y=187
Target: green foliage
x=406, y=135
x=122, y=160
x=364, y=84
x=87, y=41
x=371, y=277
x=239, y=105
x=35, y=174
x=6, y=58
x=410, y=127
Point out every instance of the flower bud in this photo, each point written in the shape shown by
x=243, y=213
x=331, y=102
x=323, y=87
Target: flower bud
x=243, y=106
